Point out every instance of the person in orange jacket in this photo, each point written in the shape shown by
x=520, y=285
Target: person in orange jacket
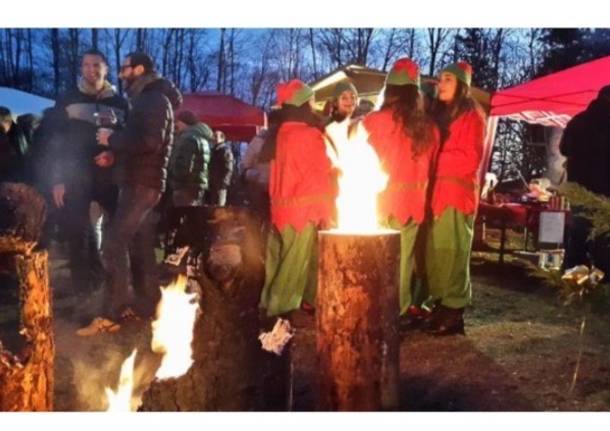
x=405, y=139
x=454, y=200
x=302, y=190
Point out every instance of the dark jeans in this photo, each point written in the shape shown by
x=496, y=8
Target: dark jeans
x=216, y=197
x=131, y=243
x=187, y=198
x=86, y=271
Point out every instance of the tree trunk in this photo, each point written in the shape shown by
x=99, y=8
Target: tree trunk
x=357, y=322
x=26, y=378
x=226, y=265
x=55, y=48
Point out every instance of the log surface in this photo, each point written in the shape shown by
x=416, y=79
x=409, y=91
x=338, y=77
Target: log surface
x=226, y=262
x=357, y=322
x=26, y=378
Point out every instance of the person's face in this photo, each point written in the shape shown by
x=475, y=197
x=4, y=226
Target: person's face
x=180, y=126
x=346, y=103
x=6, y=125
x=93, y=69
x=312, y=103
x=447, y=87
x=129, y=73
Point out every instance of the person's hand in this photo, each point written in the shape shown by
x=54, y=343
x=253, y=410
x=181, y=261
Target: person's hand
x=59, y=190
x=105, y=159
x=103, y=135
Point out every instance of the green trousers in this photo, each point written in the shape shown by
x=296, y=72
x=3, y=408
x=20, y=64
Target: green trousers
x=408, y=234
x=448, y=244
x=291, y=269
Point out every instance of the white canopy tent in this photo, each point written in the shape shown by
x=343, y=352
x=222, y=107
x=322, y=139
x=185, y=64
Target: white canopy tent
x=19, y=102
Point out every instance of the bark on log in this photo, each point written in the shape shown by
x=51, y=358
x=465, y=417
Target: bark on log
x=226, y=261
x=357, y=322
x=26, y=378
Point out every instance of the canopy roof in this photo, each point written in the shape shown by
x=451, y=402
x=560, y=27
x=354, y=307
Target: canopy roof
x=553, y=99
x=19, y=102
x=238, y=120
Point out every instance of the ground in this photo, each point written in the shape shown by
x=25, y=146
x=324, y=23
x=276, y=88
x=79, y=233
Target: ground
x=519, y=352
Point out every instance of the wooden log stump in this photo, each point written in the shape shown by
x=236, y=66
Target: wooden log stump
x=357, y=321
x=225, y=264
x=26, y=377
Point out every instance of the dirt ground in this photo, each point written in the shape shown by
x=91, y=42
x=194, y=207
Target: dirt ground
x=518, y=354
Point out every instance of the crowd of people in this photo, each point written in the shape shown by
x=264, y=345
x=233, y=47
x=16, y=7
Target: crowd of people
x=107, y=164
x=430, y=142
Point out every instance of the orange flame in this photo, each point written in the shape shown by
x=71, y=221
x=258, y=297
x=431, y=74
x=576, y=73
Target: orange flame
x=361, y=180
x=121, y=400
x=173, y=329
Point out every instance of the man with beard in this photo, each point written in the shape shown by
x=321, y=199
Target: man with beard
x=142, y=150
x=76, y=180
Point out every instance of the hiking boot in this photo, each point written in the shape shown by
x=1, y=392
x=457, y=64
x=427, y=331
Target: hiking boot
x=447, y=321
x=97, y=326
x=413, y=318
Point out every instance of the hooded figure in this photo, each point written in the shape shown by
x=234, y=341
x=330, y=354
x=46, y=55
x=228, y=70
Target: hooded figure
x=586, y=144
x=302, y=192
x=406, y=141
x=454, y=200
x=190, y=160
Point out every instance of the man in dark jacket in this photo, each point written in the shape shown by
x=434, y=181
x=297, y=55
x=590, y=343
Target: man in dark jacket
x=13, y=148
x=586, y=144
x=188, y=172
x=221, y=171
x=142, y=150
x=75, y=179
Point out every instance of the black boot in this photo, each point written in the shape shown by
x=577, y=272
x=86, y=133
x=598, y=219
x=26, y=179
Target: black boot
x=446, y=321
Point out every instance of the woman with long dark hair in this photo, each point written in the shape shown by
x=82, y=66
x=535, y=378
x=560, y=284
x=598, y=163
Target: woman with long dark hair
x=405, y=140
x=302, y=192
x=454, y=200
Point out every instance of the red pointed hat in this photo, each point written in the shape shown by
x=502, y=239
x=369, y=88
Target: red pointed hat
x=404, y=72
x=294, y=92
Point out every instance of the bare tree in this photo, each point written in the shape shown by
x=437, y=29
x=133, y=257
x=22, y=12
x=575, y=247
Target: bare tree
x=56, y=59
x=118, y=37
x=220, y=78
x=436, y=38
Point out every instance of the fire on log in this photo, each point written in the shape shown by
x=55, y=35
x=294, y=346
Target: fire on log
x=26, y=378
x=224, y=263
x=357, y=321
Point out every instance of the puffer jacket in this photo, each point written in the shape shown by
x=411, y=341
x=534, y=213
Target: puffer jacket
x=190, y=159
x=143, y=147
x=73, y=145
x=586, y=144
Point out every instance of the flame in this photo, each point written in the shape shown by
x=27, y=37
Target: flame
x=121, y=400
x=361, y=180
x=173, y=329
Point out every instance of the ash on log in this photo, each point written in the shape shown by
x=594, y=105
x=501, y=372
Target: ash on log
x=26, y=377
x=225, y=262
x=357, y=321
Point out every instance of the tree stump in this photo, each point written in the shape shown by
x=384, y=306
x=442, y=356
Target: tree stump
x=26, y=378
x=225, y=263
x=357, y=321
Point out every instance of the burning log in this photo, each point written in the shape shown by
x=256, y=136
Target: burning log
x=26, y=378
x=224, y=263
x=357, y=321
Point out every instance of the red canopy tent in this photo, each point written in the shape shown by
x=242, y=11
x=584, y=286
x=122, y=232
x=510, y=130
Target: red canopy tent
x=238, y=120
x=553, y=99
